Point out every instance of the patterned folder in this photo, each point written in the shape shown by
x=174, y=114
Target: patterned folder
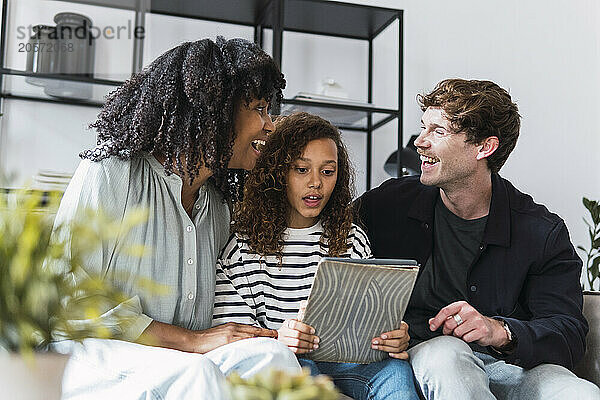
x=353, y=301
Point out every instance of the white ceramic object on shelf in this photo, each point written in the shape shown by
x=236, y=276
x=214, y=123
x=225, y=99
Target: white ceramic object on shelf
x=330, y=87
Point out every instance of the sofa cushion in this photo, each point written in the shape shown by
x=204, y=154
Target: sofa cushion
x=589, y=367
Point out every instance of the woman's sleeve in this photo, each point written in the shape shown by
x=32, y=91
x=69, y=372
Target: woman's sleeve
x=231, y=287
x=97, y=188
x=361, y=248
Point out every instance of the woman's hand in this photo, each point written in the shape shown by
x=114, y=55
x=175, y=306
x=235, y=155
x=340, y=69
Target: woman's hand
x=210, y=339
x=175, y=337
x=394, y=342
x=298, y=336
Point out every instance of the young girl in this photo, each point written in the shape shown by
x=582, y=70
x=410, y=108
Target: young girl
x=296, y=210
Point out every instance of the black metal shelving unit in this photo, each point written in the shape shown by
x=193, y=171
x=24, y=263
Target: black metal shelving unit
x=318, y=17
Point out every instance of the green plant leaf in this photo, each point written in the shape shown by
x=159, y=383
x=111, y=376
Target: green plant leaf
x=594, y=267
x=149, y=286
x=593, y=254
x=43, y=284
x=135, y=217
x=137, y=250
x=595, y=214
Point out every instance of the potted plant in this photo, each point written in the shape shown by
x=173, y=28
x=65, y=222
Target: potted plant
x=281, y=385
x=589, y=367
x=40, y=300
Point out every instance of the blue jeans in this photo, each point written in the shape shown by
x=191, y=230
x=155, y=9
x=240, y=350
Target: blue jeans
x=447, y=368
x=387, y=379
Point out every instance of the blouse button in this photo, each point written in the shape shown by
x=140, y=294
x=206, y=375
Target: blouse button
x=191, y=296
x=189, y=228
x=190, y=261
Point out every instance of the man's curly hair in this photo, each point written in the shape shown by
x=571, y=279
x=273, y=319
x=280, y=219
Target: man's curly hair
x=262, y=216
x=480, y=109
x=182, y=107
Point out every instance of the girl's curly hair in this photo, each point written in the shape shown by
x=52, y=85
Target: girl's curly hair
x=262, y=215
x=182, y=106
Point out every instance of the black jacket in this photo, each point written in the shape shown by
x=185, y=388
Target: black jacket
x=527, y=271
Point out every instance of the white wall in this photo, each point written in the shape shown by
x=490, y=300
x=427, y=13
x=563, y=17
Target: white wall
x=165, y=32
x=546, y=53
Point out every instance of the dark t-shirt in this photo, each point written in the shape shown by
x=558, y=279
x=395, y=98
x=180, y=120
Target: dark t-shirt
x=443, y=280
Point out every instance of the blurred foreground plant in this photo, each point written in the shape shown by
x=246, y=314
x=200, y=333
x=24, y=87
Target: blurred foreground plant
x=45, y=292
x=281, y=385
x=592, y=261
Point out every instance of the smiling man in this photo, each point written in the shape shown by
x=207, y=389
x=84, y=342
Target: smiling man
x=496, y=309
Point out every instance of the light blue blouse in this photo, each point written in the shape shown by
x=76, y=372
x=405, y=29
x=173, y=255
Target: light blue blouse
x=183, y=250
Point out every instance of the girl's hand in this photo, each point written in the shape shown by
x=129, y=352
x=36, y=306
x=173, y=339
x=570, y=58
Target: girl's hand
x=298, y=336
x=394, y=342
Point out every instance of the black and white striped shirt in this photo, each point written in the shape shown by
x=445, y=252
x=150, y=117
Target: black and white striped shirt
x=261, y=291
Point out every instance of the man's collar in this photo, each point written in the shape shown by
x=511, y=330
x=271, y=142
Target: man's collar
x=497, y=230
x=424, y=204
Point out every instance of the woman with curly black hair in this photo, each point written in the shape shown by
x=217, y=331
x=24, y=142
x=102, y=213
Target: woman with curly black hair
x=175, y=140
x=296, y=210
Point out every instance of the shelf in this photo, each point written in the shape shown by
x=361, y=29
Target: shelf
x=75, y=90
x=242, y=12
x=84, y=91
x=120, y=4
x=350, y=117
x=308, y=16
x=72, y=78
x=336, y=19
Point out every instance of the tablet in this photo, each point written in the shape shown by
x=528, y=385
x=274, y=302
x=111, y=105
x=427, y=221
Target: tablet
x=352, y=301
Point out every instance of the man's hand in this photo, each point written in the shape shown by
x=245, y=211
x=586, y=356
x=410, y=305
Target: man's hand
x=474, y=327
x=394, y=342
x=210, y=339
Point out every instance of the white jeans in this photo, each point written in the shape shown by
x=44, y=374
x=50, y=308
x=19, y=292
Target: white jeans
x=447, y=368
x=112, y=369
